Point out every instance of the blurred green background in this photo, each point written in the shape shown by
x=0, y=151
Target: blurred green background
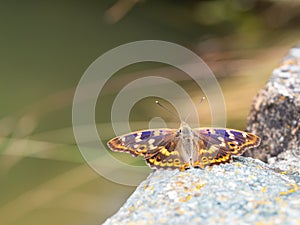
x=45, y=47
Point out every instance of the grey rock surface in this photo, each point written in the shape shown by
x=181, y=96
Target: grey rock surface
x=275, y=113
x=246, y=191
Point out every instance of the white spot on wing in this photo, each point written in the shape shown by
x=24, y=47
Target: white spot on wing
x=223, y=144
x=156, y=132
x=151, y=147
x=231, y=135
x=151, y=141
x=138, y=137
x=221, y=139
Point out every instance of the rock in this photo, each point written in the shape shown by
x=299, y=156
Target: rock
x=246, y=191
x=275, y=113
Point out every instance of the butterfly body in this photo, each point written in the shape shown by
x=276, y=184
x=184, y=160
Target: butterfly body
x=184, y=147
x=186, y=139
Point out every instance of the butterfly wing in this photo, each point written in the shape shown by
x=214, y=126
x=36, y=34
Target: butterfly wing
x=216, y=145
x=156, y=146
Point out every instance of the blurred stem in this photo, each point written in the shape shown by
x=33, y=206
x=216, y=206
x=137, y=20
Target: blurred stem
x=119, y=10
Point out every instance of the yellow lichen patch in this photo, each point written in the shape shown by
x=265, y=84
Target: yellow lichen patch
x=199, y=186
x=163, y=220
x=239, y=164
x=263, y=223
x=180, y=211
x=150, y=188
x=294, y=188
x=263, y=202
x=288, y=191
x=131, y=209
x=264, y=189
x=187, y=198
x=179, y=183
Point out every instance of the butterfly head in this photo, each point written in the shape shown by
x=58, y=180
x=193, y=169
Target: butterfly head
x=185, y=130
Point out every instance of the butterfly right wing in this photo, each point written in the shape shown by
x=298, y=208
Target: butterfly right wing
x=217, y=145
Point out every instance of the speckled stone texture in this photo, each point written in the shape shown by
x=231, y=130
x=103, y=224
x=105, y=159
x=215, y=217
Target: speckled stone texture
x=275, y=112
x=246, y=191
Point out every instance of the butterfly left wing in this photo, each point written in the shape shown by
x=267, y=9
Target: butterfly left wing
x=216, y=145
x=156, y=146
x=142, y=143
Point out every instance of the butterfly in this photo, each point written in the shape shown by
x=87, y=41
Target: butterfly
x=185, y=147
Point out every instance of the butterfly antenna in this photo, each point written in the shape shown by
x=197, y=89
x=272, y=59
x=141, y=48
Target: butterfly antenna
x=202, y=99
x=169, y=111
